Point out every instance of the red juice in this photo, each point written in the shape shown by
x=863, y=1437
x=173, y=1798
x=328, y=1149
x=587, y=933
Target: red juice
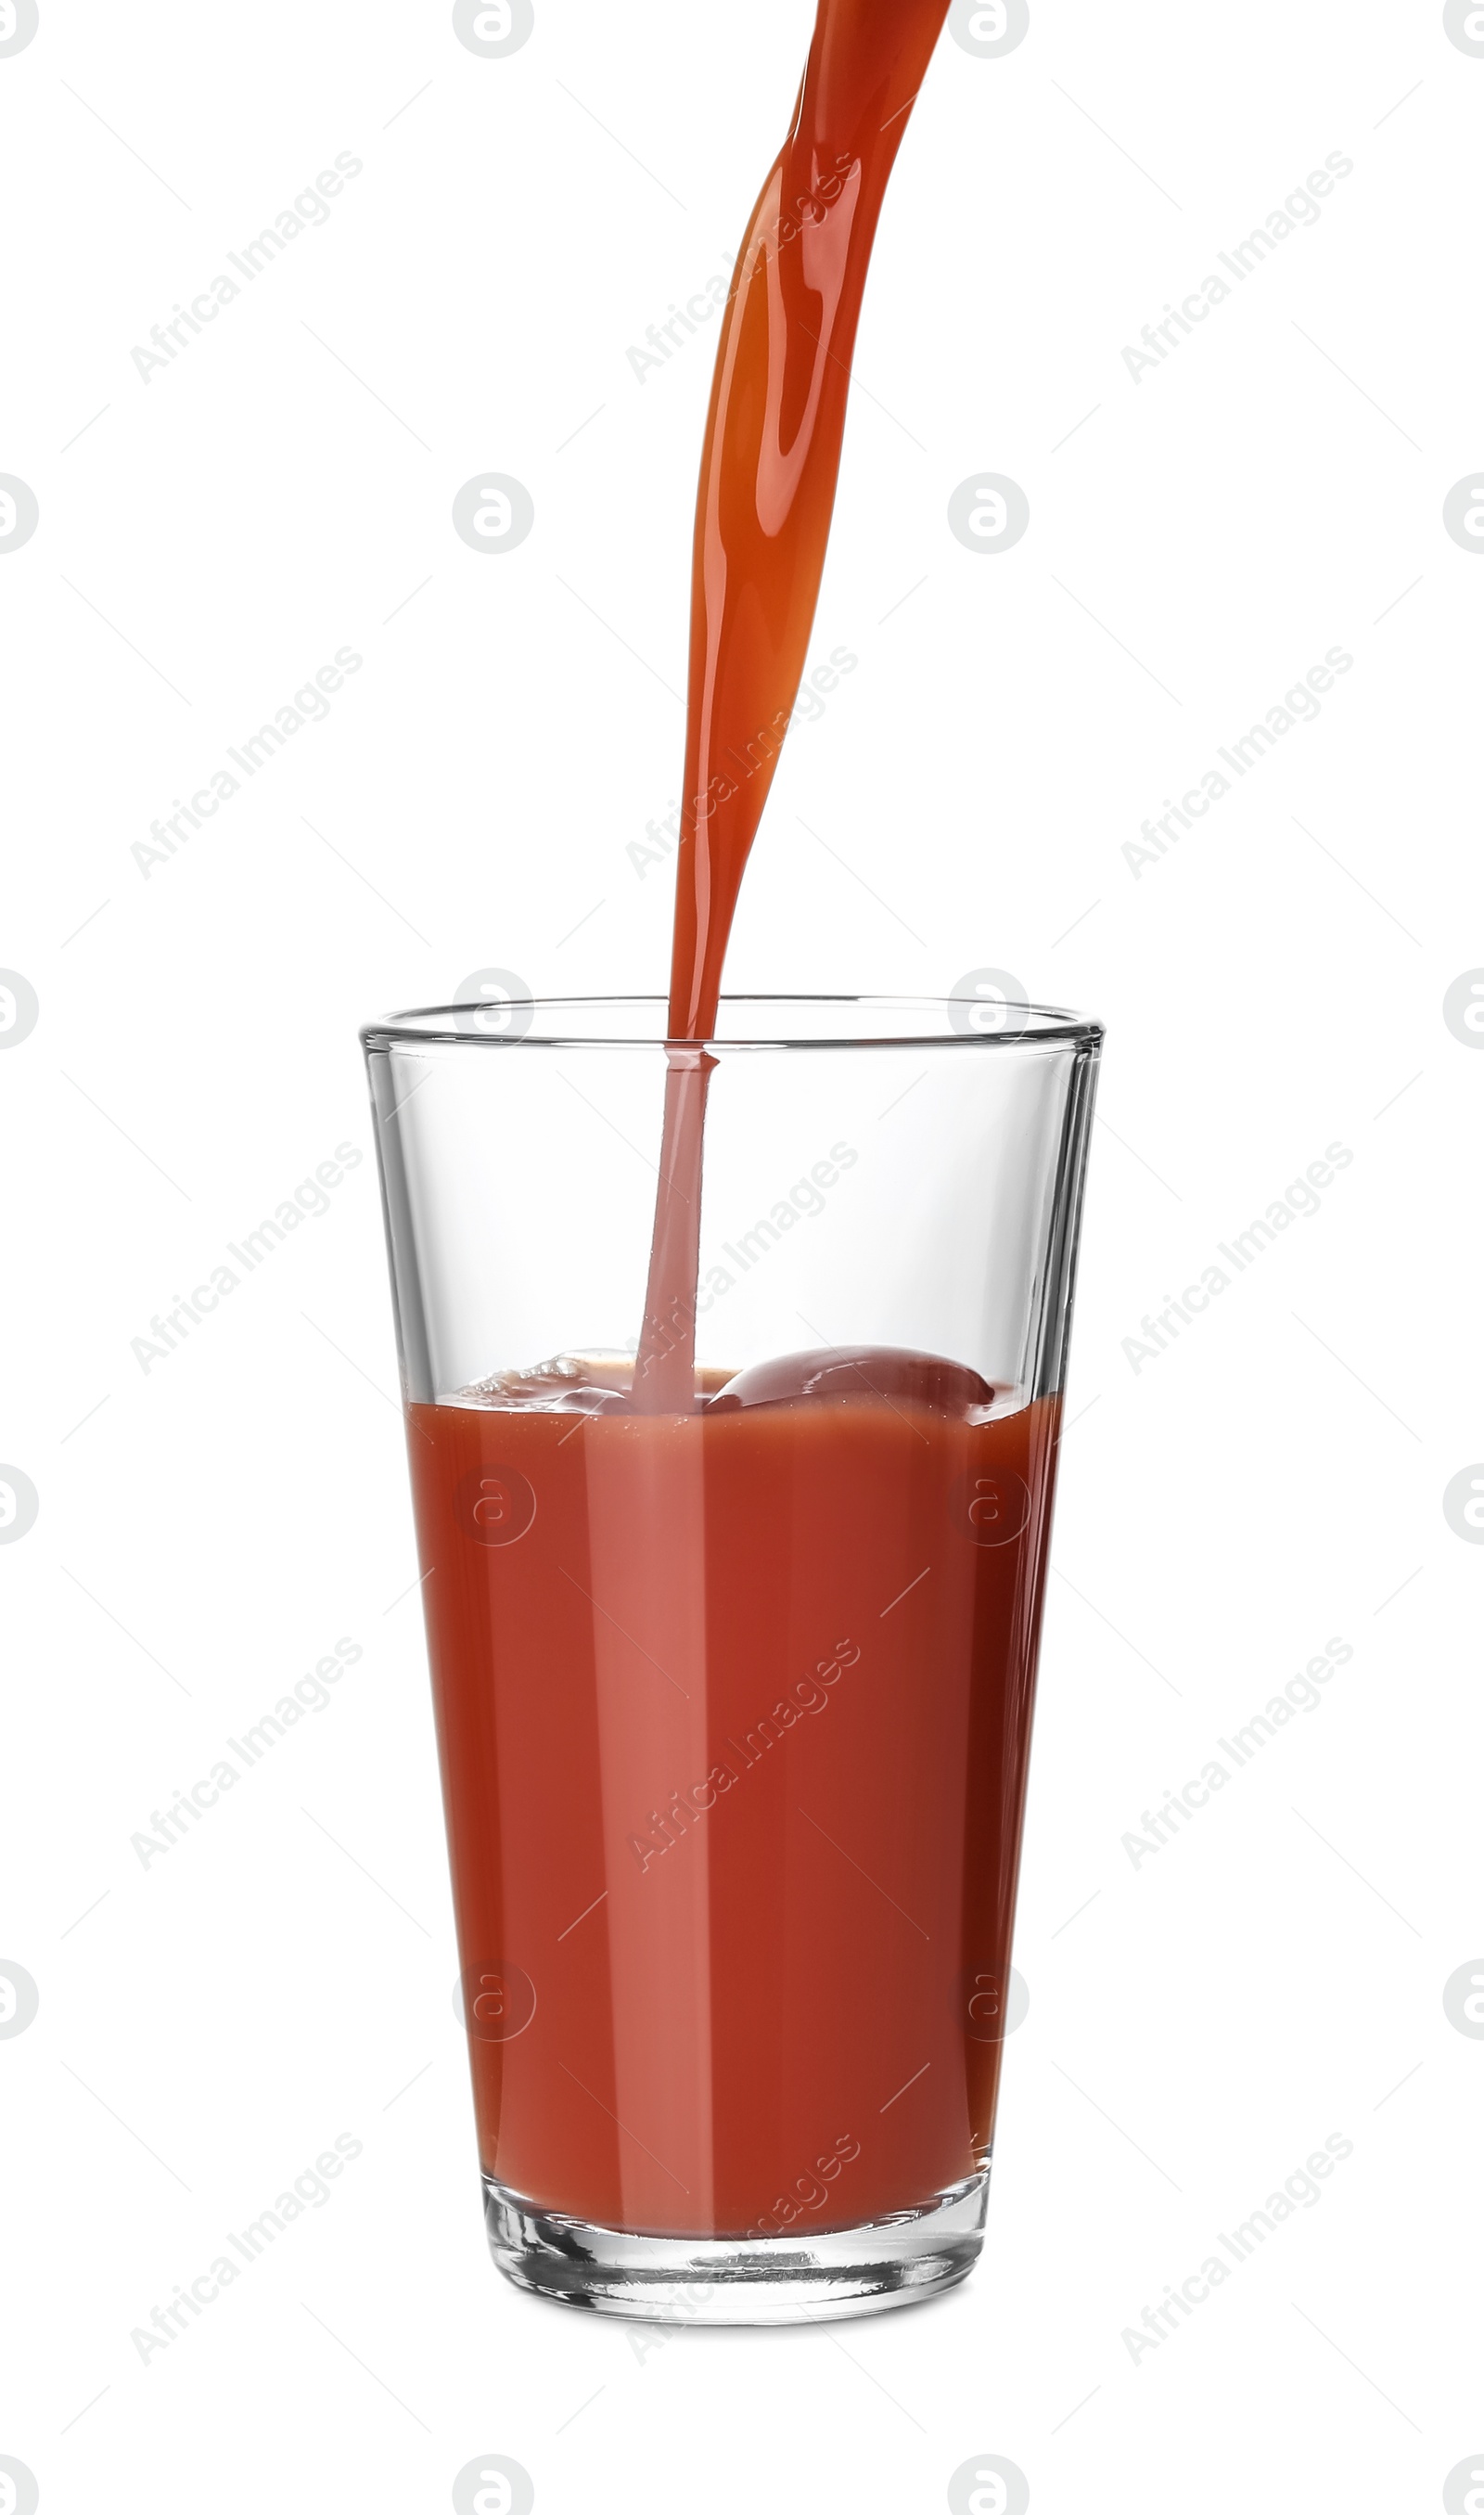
x=733, y=1711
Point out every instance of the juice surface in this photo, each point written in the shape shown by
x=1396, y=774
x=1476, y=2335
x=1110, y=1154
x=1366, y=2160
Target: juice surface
x=734, y=1713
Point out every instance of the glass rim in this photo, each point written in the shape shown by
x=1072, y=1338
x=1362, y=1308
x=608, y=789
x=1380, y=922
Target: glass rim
x=457, y=1026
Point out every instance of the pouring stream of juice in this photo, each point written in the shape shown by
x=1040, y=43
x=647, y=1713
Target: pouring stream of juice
x=768, y=471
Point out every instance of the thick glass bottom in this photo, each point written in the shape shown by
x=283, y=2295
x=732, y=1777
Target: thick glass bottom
x=794, y=2277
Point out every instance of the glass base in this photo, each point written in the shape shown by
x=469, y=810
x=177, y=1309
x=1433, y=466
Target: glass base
x=796, y=2278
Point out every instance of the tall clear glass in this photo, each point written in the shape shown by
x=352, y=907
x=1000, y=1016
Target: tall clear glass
x=734, y=1704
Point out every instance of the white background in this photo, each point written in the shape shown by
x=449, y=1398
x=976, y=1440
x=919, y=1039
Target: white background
x=208, y=1529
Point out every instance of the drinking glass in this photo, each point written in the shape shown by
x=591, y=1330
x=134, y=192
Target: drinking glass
x=734, y=1701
